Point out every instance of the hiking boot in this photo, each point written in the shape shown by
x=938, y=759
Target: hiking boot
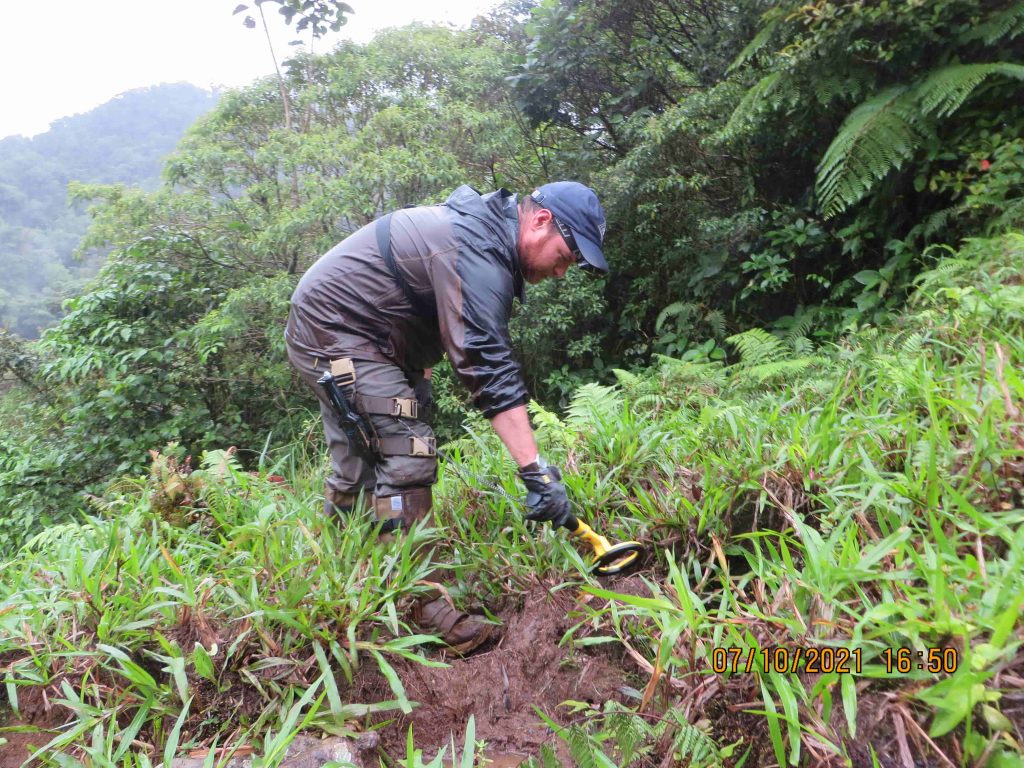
x=461, y=632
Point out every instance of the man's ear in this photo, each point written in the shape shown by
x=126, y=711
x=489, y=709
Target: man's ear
x=542, y=219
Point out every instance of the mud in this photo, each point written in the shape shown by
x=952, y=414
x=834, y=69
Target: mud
x=20, y=744
x=34, y=726
x=501, y=686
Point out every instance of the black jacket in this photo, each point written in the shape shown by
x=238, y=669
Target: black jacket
x=459, y=259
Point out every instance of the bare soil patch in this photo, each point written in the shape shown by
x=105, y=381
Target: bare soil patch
x=501, y=686
x=21, y=743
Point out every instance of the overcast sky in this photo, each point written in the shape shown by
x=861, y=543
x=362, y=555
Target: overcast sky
x=62, y=57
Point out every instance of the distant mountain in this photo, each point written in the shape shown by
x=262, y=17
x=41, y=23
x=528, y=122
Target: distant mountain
x=125, y=140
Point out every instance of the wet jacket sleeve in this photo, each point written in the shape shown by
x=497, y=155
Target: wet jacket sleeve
x=474, y=293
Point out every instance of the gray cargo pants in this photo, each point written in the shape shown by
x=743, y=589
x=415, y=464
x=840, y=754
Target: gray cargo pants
x=350, y=473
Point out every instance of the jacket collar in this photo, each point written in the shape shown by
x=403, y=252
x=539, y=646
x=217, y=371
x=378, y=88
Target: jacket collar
x=498, y=211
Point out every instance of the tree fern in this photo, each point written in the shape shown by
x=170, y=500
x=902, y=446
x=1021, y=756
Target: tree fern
x=883, y=132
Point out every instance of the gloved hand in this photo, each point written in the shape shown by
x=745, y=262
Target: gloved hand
x=424, y=392
x=545, y=494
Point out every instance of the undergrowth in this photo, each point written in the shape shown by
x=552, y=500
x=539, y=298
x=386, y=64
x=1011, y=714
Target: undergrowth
x=863, y=499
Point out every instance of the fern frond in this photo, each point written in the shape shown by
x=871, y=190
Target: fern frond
x=942, y=274
x=939, y=220
x=830, y=88
x=220, y=462
x=54, y=534
x=754, y=46
x=549, y=425
x=851, y=84
x=648, y=402
x=548, y=758
x=593, y=402
x=628, y=732
x=757, y=347
x=625, y=378
x=677, y=372
x=802, y=324
x=876, y=137
x=800, y=346
x=1011, y=217
x=945, y=89
x=1007, y=24
x=716, y=321
x=768, y=94
x=582, y=750
x=777, y=368
x=883, y=132
x=911, y=346
x=695, y=747
x=676, y=308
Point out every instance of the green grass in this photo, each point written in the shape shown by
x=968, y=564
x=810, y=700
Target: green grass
x=867, y=498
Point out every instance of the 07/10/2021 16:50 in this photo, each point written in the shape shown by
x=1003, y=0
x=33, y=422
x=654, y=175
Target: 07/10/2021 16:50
x=826, y=660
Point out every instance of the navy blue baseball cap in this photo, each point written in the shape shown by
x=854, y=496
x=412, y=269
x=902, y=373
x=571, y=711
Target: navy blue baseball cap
x=576, y=206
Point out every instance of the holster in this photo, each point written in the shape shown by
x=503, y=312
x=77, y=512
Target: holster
x=354, y=415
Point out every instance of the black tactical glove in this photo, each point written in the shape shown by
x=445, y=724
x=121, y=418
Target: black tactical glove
x=545, y=494
x=424, y=392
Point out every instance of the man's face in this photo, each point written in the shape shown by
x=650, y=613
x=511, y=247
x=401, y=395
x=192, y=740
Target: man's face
x=542, y=250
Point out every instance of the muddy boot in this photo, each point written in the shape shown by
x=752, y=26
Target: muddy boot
x=341, y=504
x=462, y=632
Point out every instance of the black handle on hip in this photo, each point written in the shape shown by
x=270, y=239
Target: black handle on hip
x=351, y=422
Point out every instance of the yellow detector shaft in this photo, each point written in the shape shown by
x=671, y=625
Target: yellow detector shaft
x=608, y=558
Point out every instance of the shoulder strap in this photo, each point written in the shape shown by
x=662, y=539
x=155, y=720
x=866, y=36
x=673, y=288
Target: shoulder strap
x=383, y=229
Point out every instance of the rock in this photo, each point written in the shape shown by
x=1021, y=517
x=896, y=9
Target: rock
x=304, y=752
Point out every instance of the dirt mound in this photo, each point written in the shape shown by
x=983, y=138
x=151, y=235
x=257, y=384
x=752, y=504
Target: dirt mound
x=525, y=668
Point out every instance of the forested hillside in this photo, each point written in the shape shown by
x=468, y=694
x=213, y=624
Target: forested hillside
x=798, y=388
x=123, y=141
